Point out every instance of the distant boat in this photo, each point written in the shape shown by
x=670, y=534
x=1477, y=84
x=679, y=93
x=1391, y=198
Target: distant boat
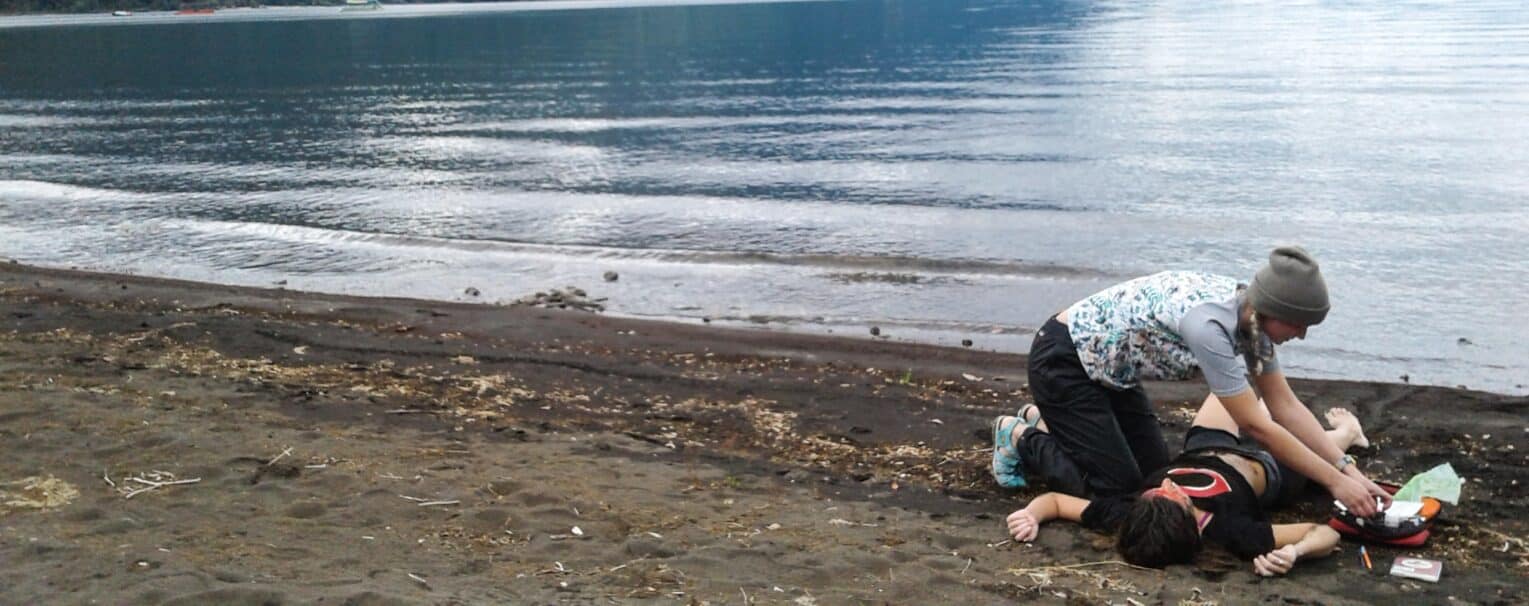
x=122, y=13
x=361, y=5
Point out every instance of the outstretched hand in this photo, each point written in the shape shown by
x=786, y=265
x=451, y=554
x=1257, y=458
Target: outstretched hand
x=1023, y=526
x=1276, y=562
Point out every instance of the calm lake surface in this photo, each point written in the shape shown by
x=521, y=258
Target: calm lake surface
x=941, y=169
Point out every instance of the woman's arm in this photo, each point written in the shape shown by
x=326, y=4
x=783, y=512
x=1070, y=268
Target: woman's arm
x=1252, y=419
x=1287, y=410
x=1025, y=524
x=1294, y=542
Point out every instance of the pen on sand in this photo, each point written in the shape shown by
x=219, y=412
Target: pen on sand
x=1364, y=556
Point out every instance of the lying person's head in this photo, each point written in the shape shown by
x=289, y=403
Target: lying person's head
x=1160, y=529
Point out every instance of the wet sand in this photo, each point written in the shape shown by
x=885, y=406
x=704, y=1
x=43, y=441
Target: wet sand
x=389, y=451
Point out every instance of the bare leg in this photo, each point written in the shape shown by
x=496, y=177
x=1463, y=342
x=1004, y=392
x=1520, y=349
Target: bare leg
x=1346, y=430
x=1213, y=414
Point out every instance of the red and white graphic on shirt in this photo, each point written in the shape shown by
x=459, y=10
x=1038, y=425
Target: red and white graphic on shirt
x=1200, y=483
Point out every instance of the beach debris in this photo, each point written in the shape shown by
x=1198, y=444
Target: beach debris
x=472, y=292
x=301, y=350
x=971, y=377
x=419, y=579
x=1463, y=341
x=611, y=276
x=150, y=481
x=578, y=532
x=422, y=502
x=284, y=452
x=875, y=331
x=568, y=298
x=966, y=342
x=37, y=492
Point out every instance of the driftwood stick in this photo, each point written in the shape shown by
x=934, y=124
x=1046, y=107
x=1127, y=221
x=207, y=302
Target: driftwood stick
x=286, y=451
x=151, y=485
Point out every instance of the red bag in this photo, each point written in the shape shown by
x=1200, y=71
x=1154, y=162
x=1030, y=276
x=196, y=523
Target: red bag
x=1411, y=531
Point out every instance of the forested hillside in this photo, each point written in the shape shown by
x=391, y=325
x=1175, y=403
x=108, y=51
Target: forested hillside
x=12, y=7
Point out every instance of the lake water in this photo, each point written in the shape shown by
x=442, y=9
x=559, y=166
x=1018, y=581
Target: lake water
x=941, y=169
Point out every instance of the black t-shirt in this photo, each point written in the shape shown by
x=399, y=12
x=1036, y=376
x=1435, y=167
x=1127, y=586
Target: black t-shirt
x=1237, y=522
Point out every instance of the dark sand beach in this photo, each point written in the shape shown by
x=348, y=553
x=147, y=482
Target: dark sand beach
x=390, y=451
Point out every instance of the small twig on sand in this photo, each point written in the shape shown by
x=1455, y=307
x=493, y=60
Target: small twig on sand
x=419, y=579
x=152, y=485
x=968, y=566
x=1044, y=569
x=427, y=502
x=284, y=452
x=1514, y=540
x=106, y=475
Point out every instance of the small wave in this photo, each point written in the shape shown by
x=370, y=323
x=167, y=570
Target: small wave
x=888, y=324
x=26, y=121
x=843, y=263
x=44, y=190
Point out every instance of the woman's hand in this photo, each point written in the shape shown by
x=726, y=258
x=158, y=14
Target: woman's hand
x=1276, y=562
x=1354, y=495
x=1374, y=490
x=1023, y=526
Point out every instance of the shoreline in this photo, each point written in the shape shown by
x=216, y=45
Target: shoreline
x=994, y=337
x=693, y=460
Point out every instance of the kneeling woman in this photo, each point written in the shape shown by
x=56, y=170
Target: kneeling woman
x=1216, y=491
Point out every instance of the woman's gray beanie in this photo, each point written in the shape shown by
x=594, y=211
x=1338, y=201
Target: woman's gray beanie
x=1290, y=288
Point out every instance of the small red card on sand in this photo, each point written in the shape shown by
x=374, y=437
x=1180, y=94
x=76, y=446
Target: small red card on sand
x=1417, y=568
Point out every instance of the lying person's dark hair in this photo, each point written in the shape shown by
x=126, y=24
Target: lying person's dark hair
x=1158, y=532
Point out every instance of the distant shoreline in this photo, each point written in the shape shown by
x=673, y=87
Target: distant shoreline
x=20, y=8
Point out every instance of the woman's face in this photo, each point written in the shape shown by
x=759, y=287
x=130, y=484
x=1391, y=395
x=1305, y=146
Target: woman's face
x=1168, y=490
x=1281, y=331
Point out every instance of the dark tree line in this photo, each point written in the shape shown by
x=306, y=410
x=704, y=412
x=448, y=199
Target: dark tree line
x=12, y=7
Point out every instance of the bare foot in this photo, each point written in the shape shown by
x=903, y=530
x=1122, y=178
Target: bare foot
x=1342, y=419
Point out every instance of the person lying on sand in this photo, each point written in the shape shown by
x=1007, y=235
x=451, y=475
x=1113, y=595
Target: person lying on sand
x=1217, y=491
x=1086, y=364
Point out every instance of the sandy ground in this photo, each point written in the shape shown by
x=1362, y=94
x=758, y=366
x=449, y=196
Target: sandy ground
x=388, y=451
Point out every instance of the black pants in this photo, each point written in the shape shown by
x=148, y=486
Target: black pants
x=1102, y=441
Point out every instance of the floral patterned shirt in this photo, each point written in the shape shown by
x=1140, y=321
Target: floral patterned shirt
x=1166, y=326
